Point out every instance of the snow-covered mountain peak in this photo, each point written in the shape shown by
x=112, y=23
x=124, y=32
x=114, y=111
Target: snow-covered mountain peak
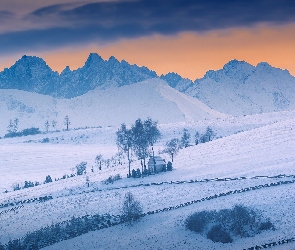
x=236, y=65
x=240, y=88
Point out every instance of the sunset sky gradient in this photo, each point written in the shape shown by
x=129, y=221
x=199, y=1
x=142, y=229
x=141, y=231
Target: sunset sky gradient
x=185, y=36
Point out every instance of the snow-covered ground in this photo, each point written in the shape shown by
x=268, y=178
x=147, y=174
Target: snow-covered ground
x=249, y=146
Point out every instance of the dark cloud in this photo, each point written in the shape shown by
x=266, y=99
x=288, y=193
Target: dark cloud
x=107, y=21
x=5, y=16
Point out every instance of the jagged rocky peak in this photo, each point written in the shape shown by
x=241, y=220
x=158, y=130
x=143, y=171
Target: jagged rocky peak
x=172, y=78
x=264, y=68
x=113, y=60
x=66, y=70
x=28, y=61
x=93, y=59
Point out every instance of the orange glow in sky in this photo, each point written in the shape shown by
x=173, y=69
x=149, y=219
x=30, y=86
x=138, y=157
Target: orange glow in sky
x=188, y=54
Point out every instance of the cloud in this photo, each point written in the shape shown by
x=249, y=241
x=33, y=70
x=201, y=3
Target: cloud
x=98, y=22
x=5, y=16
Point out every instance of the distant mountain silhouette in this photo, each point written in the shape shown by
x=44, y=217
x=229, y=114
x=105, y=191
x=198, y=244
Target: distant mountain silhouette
x=30, y=73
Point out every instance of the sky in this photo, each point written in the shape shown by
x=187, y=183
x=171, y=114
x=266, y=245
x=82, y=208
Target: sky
x=188, y=37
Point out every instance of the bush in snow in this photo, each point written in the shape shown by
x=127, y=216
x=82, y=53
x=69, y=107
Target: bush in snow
x=16, y=186
x=81, y=168
x=221, y=226
x=111, y=179
x=25, y=132
x=48, y=179
x=28, y=184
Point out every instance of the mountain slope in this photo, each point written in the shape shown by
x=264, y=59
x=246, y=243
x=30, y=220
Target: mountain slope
x=240, y=88
x=112, y=106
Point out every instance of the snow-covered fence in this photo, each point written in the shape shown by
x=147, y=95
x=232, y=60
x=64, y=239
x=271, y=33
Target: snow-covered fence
x=39, y=199
x=247, y=189
x=187, y=182
x=271, y=244
x=11, y=209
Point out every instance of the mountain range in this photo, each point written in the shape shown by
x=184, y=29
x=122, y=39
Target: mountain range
x=239, y=88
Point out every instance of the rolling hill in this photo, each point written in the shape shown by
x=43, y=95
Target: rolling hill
x=104, y=107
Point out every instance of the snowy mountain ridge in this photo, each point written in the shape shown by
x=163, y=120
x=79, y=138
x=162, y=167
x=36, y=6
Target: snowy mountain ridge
x=240, y=88
x=30, y=73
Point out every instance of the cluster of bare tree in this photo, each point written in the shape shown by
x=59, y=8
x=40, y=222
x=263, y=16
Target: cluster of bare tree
x=138, y=140
x=174, y=145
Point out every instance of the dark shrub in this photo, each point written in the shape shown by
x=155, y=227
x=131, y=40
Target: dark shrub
x=45, y=140
x=218, y=234
x=197, y=221
x=238, y=221
x=48, y=179
x=242, y=220
x=31, y=131
x=81, y=168
x=28, y=184
x=169, y=166
x=138, y=173
x=266, y=226
x=25, y=132
x=133, y=173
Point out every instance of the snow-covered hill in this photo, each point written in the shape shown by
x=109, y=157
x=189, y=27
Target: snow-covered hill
x=266, y=150
x=103, y=107
x=240, y=88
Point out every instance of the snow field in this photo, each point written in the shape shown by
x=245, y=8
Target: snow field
x=166, y=230
x=267, y=149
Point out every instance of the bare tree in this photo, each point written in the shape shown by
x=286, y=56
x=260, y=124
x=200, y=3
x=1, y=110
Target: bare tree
x=124, y=143
x=210, y=133
x=132, y=209
x=47, y=126
x=16, y=121
x=185, y=139
x=197, y=138
x=140, y=143
x=10, y=127
x=67, y=122
x=152, y=133
x=53, y=124
x=13, y=125
x=98, y=161
x=172, y=147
